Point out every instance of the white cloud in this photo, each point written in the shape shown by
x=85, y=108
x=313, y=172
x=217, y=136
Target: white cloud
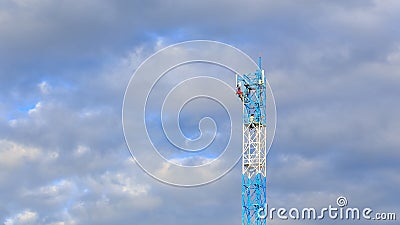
x=81, y=150
x=44, y=87
x=13, y=154
x=117, y=183
x=36, y=109
x=27, y=217
x=53, y=195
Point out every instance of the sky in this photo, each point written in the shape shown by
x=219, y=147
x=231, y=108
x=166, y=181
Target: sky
x=333, y=66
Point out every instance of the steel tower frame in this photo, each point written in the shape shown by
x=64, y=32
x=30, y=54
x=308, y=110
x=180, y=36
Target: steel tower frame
x=252, y=91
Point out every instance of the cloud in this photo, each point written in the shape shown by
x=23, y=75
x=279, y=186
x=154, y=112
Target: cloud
x=333, y=67
x=25, y=217
x=12, y=155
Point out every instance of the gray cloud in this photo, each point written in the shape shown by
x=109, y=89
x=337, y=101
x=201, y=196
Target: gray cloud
x=64, y=66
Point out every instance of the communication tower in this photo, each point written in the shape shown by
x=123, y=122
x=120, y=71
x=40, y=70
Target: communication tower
x=251, y=89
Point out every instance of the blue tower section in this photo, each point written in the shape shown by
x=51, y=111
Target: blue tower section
x=251, y=89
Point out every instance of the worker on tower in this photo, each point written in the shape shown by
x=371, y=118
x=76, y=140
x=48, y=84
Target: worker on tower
x=239, y=93
x=251, y=121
